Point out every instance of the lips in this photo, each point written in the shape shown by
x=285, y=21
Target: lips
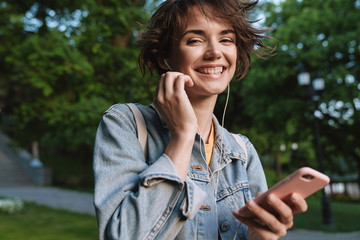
x=210, y=70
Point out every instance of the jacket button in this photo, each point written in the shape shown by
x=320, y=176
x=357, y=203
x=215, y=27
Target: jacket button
x=199, y=168
x=224, y=227
x=205, y=208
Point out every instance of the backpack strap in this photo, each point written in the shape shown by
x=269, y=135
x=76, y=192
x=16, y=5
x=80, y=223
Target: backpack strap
x=242, y=144
x=140, y=125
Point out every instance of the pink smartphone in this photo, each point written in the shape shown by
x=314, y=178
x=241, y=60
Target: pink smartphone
x=304, y=181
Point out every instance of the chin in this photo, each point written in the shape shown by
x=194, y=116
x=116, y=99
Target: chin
x=215, y=90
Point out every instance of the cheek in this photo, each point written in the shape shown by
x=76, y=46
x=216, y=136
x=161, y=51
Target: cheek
x=233, y=55
x=185, y=59
x=233, y=62
x=232, y=58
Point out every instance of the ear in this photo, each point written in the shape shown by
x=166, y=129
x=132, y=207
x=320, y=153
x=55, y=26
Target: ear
x=164, y=64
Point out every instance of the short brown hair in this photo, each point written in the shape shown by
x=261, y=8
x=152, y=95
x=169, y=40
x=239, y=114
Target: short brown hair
x=170, y=20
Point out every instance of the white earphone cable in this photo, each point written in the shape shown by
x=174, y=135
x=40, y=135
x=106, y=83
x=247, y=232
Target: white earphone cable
x=222, y=134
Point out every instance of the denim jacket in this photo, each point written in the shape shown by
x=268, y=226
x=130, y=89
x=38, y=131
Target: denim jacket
x=144, y=198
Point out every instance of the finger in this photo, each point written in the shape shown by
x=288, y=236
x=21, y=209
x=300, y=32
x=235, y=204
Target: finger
x=267, y=218
x=284, y=212
x=159, y=94
x=169, y=81
x=262, y=230
x=188, y=81
x=252, y=234
x=299, y=203
x=180, y=83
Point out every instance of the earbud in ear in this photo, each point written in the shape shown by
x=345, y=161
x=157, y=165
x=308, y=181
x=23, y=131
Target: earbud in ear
x=167, y=64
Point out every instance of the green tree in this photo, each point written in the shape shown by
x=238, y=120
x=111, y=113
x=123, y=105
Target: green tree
x=63, y=64
x=323, y=36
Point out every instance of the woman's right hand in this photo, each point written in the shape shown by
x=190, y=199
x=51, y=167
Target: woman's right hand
x=173, y=103
x=174, y=106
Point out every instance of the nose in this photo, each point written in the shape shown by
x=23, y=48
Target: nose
x=213, y=51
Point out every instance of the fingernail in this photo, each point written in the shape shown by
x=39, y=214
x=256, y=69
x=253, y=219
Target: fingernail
x=271, y=198
x=250, y=204
x=295, y=197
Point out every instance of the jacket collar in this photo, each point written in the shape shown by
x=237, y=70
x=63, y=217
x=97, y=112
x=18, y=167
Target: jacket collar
x=226, y=144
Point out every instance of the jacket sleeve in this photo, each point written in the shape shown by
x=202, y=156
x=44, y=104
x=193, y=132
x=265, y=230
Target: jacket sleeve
x=132, y=199
x=255, y=171
x=256, y=178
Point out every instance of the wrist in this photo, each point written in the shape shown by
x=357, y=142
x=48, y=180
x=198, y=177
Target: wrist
x=179, y=151
x=183, y=136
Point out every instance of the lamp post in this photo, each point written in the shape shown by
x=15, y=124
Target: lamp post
x=314, y=89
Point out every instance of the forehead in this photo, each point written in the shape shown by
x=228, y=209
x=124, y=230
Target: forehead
x=203, y=17
x=208, y=15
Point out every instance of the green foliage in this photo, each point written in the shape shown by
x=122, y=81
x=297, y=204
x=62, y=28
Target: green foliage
x=323, y=36
x=63, y=65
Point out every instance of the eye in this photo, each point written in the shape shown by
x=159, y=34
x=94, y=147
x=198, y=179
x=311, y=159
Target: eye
x=227, y=40
x=193, y=41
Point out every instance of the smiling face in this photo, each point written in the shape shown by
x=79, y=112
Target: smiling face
x=206, y=51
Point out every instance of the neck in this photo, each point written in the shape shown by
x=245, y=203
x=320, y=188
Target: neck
x=203, y=109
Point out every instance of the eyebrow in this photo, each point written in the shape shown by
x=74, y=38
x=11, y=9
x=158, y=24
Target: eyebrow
x=201, y=32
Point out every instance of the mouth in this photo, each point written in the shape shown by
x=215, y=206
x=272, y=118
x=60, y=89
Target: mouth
x=210, y=70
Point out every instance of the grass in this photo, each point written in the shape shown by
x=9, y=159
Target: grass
x=345, y=216
x=37, y=222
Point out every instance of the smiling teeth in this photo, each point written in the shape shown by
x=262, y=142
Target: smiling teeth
x=216, y=70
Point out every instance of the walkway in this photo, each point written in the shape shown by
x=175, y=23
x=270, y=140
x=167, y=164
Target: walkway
x=313, y=235
x=83, y=203
x=53, y=197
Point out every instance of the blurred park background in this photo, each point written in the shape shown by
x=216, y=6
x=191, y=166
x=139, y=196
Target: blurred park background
x=63, y=63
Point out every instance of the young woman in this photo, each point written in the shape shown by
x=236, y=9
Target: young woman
x=196, y=175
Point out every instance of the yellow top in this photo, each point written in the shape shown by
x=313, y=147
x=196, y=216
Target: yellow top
x=210, y=145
